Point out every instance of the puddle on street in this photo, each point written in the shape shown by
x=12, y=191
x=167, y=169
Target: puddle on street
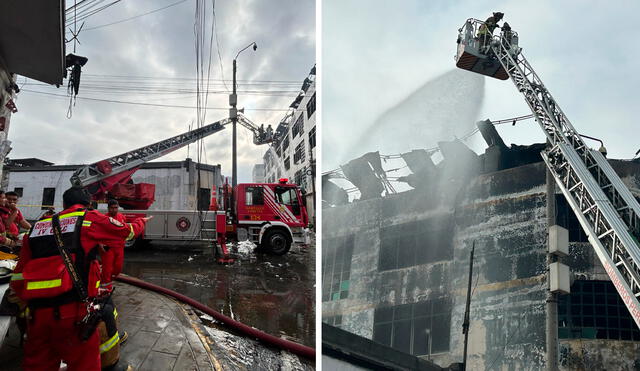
x=275, y=294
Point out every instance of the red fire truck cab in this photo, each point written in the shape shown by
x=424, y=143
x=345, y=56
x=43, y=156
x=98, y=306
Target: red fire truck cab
x=272, y=216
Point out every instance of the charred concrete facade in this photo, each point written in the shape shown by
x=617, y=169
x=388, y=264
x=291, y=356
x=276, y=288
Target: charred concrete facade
x=41, y=183
x=398, y=265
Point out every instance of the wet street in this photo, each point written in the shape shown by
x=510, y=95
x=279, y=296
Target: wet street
x=275, y=294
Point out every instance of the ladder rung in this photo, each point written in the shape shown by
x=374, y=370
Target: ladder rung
x=633, y=274
x=605, y=233
x=575, y=186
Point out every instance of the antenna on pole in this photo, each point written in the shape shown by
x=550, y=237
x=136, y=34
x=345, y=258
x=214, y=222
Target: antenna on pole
x=465, y=323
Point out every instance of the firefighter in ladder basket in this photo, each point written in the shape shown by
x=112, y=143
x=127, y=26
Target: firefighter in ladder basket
x=485, y=32
x=58, y=277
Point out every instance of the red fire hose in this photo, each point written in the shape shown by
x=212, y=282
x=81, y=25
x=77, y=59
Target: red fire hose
x=299, y=349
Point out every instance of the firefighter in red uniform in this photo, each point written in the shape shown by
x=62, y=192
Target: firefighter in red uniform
x=42, y=280
x=112, y=257
x=6, y=244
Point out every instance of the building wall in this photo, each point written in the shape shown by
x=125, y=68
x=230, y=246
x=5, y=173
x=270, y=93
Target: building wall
x=33, y=183
x=175, y=186
x=504, y=214
x=258, y=173
x=329, y=363
x=6, y=95
x=280, y=158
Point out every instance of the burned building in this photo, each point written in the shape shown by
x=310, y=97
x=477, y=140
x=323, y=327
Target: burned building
x=395, y=268
x=292, y=154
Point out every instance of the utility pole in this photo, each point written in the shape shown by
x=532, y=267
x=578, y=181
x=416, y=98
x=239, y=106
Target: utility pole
x=465, y=322
x=551, y=297
x=233, y=115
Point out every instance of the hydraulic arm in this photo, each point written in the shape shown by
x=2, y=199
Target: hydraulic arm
x=606, y=209
x=112, y=166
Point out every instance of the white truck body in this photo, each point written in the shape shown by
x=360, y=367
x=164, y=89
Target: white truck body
x=178, y=225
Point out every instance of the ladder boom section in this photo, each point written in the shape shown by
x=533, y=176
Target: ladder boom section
x=260, y=134
x=111, y=166
x=605, y=207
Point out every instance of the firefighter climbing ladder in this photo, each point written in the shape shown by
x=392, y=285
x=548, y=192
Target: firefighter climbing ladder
x=606, y=209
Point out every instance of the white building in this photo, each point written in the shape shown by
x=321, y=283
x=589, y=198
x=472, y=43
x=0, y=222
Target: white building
x=258, y=173
x=41, y=184
x=293, y=154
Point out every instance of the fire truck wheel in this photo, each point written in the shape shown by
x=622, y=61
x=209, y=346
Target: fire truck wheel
x=276, y=242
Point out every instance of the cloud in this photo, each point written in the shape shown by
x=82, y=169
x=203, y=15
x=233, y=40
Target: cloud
x=374, y=56
x=162, y=44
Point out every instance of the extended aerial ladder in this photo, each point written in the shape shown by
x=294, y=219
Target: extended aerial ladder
x=100, y=176
x=604, y=206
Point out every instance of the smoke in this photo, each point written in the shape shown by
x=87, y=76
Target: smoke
x=442, y=109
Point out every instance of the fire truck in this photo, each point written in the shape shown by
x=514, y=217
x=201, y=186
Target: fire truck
x=273, y=216
x=607, y=211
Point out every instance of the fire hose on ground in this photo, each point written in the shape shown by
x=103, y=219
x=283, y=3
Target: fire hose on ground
x=293, y=347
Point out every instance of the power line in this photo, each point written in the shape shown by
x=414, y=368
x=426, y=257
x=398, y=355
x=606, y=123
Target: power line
x=134, y=17
x=84, y=10
x=215, y=31
x=74, y=6
x=126, y=91
x=88, y=13
x=297, y=82
x=153, y=104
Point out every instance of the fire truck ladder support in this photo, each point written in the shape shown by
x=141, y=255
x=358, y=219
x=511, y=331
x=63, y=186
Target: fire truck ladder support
x=605, y=207
x=100, y=170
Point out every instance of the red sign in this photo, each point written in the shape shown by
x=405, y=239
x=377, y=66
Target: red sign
x=183, y=224
x=11, y=105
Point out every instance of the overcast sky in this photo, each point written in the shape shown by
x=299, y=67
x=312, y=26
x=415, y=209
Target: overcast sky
x=162, y=45
x=376, y=53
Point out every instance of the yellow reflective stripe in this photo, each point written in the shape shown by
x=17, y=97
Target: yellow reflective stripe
x=37, y=285
x=16, y=277
x=97, y=284
x=24, y=313
x=75, y=213
x=131, y=235
x=86, y=223
x=115, y=313
x=107, y=345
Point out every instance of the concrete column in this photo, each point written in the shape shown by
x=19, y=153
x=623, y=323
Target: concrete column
x=551, y=298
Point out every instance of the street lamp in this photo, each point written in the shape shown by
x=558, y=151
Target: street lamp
x=602, y=149
x=233, y=115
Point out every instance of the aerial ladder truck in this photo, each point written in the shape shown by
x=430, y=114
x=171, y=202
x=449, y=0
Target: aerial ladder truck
x=606, y=209
x=273, y=216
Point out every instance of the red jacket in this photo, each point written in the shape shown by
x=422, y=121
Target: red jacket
x=112, y=259
x=96, y=229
